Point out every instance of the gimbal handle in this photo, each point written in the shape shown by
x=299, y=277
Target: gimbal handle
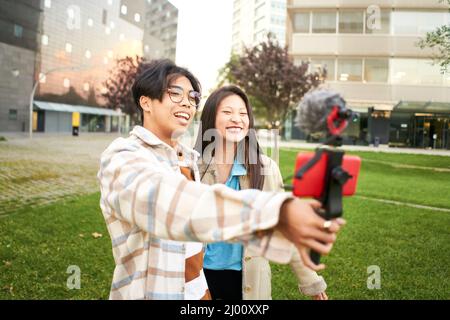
x=335, y=178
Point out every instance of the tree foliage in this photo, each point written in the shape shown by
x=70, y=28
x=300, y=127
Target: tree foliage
x=273, y=82
x=439, y=40
x=118, y=86
x=71, y=97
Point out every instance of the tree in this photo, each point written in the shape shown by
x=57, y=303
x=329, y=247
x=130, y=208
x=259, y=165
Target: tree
x=268, y=75
x=440, y=41
x=70, y=97
x=118, y=86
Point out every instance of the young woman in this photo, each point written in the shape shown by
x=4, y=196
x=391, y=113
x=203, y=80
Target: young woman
x=230, y=155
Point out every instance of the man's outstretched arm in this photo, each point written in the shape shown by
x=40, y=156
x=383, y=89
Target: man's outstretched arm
x=166, y=205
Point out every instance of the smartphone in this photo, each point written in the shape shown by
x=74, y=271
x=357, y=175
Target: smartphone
x=313, y=181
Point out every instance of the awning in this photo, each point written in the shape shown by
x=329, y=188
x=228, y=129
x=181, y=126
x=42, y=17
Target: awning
x=61, y=107
x=363, y=106
x=423, y=107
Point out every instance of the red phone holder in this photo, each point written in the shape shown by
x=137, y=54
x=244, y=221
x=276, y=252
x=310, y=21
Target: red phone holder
x=326, y=175
x=312, y=183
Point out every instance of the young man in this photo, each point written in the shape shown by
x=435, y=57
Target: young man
x=158, y=214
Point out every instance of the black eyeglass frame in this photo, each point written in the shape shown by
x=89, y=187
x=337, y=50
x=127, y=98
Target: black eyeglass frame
x=194, y=97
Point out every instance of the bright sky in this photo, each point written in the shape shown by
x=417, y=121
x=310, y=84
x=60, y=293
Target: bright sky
x=204, y=37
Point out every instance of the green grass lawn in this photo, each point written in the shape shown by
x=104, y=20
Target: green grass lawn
x=37, y=247
x=382, y=178
x=410, y=246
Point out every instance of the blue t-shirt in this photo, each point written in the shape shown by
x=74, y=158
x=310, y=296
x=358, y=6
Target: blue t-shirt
x=223, y=255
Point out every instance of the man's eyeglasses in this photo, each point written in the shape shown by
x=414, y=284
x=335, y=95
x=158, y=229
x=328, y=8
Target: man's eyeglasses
x=176, y=94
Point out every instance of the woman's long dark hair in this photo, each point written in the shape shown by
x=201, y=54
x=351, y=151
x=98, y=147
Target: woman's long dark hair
x=248, y=148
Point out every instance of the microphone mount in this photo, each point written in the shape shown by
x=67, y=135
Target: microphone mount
x=335, y=177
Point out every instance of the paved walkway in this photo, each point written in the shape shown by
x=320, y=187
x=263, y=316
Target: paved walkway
x=47, y=168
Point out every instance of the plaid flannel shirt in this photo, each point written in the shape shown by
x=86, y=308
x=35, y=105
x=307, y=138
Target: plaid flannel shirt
x=151, y=210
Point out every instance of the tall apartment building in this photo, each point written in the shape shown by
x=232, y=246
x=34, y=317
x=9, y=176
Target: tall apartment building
x=370, y=51
x=253, y=19
x=161, y=26
x=20, y=24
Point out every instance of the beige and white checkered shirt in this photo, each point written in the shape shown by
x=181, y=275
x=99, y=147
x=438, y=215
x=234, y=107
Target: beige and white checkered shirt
x=150, y=207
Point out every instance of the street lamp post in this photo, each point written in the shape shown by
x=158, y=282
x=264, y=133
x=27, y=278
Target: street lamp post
x=31, y=108
x=33, y=91
x=120, y=121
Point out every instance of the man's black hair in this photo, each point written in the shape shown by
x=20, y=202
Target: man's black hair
x=155, y=78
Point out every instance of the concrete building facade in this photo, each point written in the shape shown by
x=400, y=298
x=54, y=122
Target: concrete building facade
x=372, y=58
x=68, y=48
x=253, y=19
x=20, y=24
x=88, y=36
x=161, y=27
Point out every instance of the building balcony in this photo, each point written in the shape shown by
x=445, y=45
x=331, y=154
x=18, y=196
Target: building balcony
x=390, y=93
x=362, y=45
x=406, y=4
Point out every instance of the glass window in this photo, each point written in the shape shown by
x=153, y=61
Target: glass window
x=279, y=35
x=104, y=17
x=298, y=61
x=301, y=22
x=259, y=36
x=417, y=23
x=378, y=24
x=376, y=70
x=259, y=11
x=324, y=22
x=351, y=21
x=415, y=72
x=18, y=31
x=44, y=39
x=317, y=64
x=259, y=23
x=446, y=82
x=350, y=69
x=12, y=114
x=236, y=25
x=278, y=20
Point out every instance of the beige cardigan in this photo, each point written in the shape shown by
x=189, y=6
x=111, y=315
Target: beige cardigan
x=256, y=282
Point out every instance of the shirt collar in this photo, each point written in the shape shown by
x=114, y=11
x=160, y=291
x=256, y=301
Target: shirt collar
x=147, y=136
x=151, y=139
x=238, y=169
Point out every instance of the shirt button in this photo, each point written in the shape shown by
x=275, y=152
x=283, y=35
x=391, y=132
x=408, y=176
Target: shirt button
x=247, y=259
x=247, y=289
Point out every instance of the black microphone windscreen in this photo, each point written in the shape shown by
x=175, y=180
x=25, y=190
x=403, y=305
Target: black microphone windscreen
x=313, y=110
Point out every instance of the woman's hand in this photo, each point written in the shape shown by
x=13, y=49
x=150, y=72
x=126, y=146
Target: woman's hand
x=301, y=225
x=321, y=296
